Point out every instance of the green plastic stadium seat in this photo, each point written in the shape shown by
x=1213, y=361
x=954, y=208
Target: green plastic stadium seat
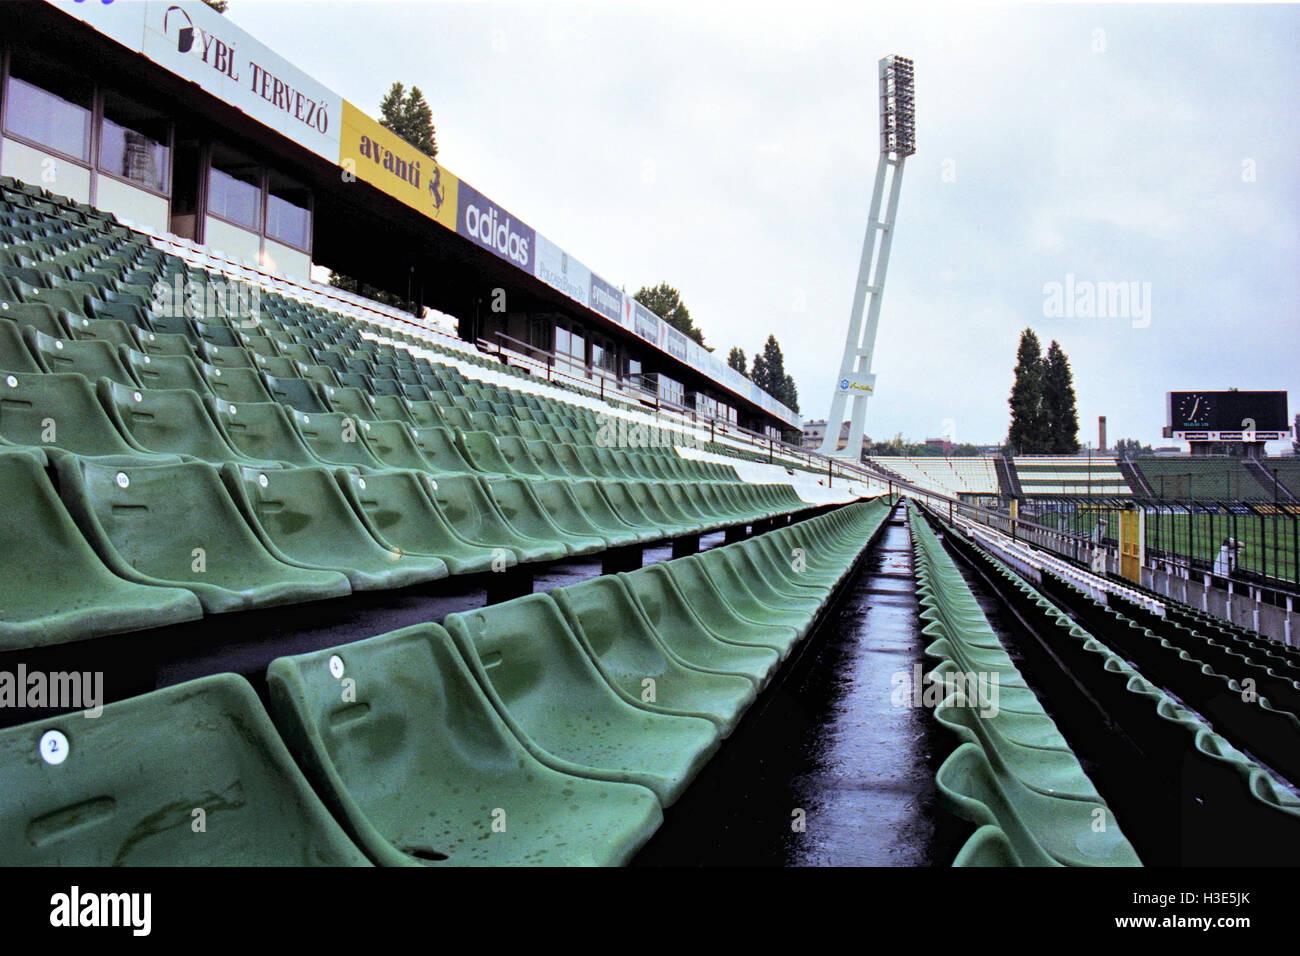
x=14, y=355
x=62, y=412
x=456, y=418
x=92, y=359
x=302, y=517
x=420, y=716
x=262, y=431
x=40, y=317
x=988, y=846
x=552, y=696
x=587, y=457
x=692, y=492
x=393, y=444
x=53, y=588
x=603, y=515
x=438, y=446
x=296, y=393
x=543, y=455
x=1043, y=830
x=237, y=385
x=154, y=371
x=132, y=782
x=471, y=511
x=752, y=567
x=176, y=526
x=682, y=630
x=225, y=357
x=169, y=422
x=161, y=343
x=1051, y=770
x=515, y=500
x=350, y=401
x=650, y=505
x=426, y=415
x=216, y=334
x=112, y=331
x=336, y=439
x=563, y=508
x=717, y=614
x=625, y=506
x=520, y=461
x=571, y=460
x=622, y=642
x=401, y=514
x=480, y=450
x=390, y=408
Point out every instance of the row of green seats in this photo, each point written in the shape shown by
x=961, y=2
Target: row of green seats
x=1251, y=704
x=200, y=539
x=519, y=735
x=1227, y=809
x=1013, y=775
x=114, y=421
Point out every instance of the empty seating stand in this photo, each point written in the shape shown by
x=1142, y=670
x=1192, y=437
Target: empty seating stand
x=162, y=466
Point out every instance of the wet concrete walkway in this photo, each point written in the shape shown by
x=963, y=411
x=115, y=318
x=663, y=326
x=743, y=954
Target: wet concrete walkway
x=835, y=768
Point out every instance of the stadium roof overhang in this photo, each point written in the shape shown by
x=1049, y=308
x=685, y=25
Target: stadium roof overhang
x=358, y=229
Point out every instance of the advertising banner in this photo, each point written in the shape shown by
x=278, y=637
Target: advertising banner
x=561, y=271
x=674, y=343
x=195, y=42
x=608, y=301
x=857, y=383
x=389, y=163
x=487, y=224
x=644, y=322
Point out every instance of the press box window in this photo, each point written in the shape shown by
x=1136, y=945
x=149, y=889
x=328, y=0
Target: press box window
x=234, y=189
x=48, y=106
x=133, y=144
x=288, y=213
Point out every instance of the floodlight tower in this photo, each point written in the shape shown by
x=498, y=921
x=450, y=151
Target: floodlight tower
x=897, y=142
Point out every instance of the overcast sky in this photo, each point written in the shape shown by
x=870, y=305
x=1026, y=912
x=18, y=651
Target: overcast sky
x=729, y=149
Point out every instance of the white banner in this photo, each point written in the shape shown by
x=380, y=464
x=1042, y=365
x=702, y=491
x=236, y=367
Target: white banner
x=561, y=271
x=195, y=42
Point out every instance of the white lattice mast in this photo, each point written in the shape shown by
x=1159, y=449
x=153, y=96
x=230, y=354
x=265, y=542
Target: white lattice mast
x=897, y=142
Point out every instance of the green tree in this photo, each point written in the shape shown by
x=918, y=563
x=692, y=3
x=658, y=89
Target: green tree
x=790, y=394
x=666, y=302
x=1028, y=433
x=408, y=115
x=736, y=360
x=1130, y=448
x=768, y=373
x=1059, y=409
x=349, y=284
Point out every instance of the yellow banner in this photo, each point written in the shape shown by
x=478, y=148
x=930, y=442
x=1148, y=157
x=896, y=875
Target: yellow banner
x=388, y=162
